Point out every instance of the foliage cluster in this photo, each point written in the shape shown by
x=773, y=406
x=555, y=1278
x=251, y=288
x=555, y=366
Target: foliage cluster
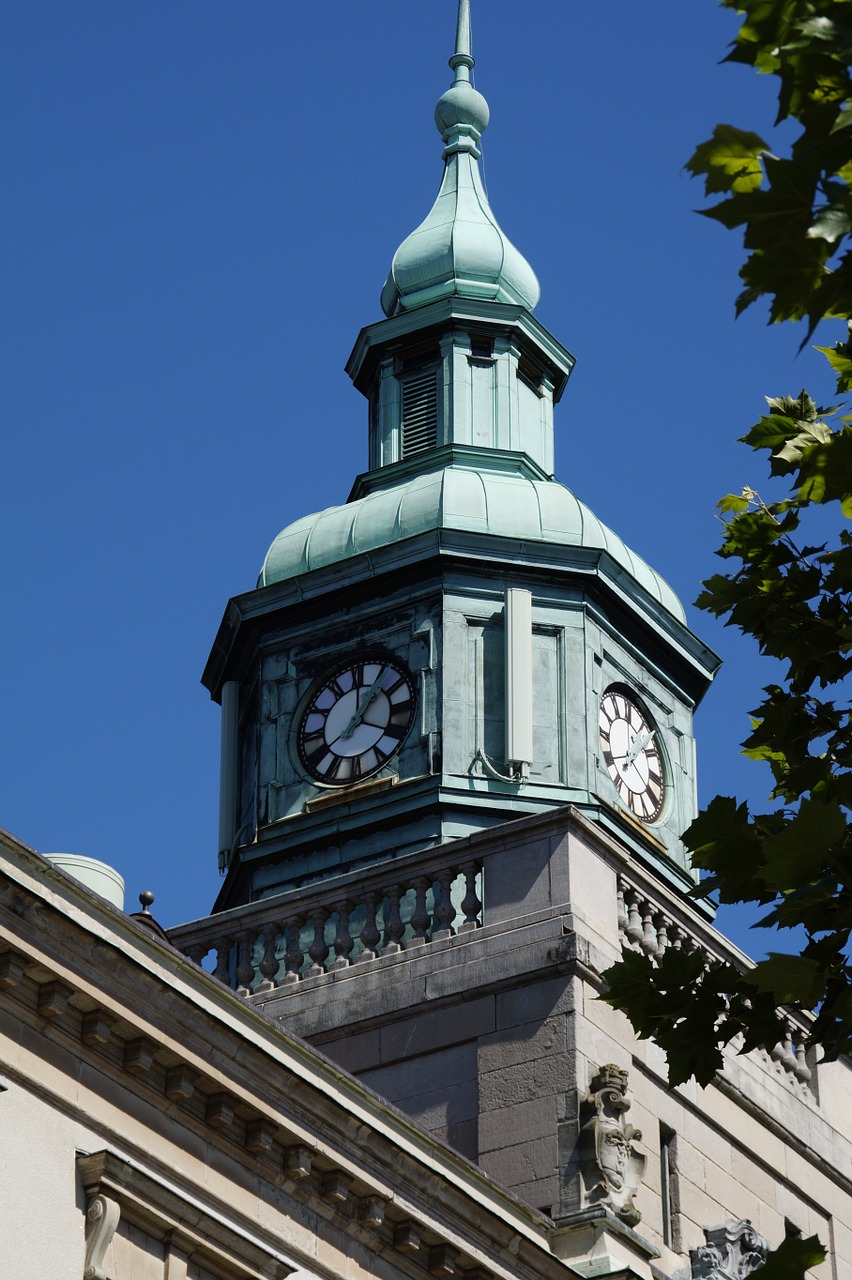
x=788, y=584
x=795, y=209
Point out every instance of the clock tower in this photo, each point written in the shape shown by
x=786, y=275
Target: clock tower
x=461, y=643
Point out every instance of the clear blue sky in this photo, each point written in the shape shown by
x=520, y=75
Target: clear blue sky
x=201, y=200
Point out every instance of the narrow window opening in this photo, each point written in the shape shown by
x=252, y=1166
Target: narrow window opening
x=481, y=348
x=530, y=373
x=419, y=412
x=669, y=1191
x=414, y=358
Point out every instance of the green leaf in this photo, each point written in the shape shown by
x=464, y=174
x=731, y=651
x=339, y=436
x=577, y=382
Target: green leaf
x=729, y=161
x=832, y=222
x=793, y=1258
x=798, y=409
x=844, y=118
x=787, y=583
x=677, y=1003
x=814, y=433
x=840, y=359
x=788, y=979
x=733, y=502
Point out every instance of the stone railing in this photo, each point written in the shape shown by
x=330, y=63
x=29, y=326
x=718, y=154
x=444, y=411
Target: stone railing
x=645, y=926
x=352, y=920
x=427, y=897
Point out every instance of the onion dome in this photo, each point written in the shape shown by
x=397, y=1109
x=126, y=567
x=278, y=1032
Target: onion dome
x=459, y=250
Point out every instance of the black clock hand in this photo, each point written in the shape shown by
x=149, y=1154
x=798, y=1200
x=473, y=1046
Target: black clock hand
x=640, y=742
x=365, y=702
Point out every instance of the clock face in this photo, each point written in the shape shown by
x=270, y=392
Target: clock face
x=356, y=718
x=631, y=755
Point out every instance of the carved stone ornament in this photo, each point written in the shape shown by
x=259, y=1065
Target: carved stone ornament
x=101, y=1221
x=619, y=1165
x=731, y=1252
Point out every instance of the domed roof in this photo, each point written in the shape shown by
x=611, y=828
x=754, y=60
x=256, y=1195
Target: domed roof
x=459, y=250
x=502, y=503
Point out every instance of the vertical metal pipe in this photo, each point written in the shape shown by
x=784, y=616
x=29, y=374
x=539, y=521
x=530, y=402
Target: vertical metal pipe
x=519, y=668
x=228, y=770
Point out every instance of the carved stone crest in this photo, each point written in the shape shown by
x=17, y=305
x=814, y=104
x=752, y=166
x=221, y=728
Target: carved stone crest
x=731, y=1252
x=620, y=1167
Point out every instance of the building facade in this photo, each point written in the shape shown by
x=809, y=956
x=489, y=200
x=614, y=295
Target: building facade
x=457, y=756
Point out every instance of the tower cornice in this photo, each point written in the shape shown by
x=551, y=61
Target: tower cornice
x=474, y=313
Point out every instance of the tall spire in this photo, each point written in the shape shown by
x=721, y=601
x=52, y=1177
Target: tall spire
x=461, y=61
x=459, y=250
x=462, y=114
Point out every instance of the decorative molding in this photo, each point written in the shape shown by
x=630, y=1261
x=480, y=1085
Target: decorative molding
x=371, y=1212
x=53, y=999
x=96, y=1028
x=139, y=1055
x=406, y=1237
x=102, y=1218
x=219, y=1111
x=334, y=1186
x=731, y=1252
x=297, y=1162
x=260, y=1136
x=619, y=1166
x=213, y=1237
x=180, y=1084
x=444, y=1261
x=11, y=970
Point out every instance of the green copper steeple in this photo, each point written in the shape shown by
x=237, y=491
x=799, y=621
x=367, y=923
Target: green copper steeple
x=457, y=529
x=459, y=251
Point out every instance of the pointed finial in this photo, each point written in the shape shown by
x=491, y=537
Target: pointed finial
x=462, y=61
x=462, y=113
x=459, y=250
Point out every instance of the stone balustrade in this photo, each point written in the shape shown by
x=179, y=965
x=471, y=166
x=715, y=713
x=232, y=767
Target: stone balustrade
x=431, y=895
x=644, y=926
x=325, y=927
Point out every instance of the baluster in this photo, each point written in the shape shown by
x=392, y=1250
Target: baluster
x=678, y=938
x=223, y=960
x=690, y=946
x=197, y=951
x=776, y=1053
x=293, y=957
x=789, y=1058
x=394, y=928
x=649, y=933
x=471, y=905
x=369, y=934
x=801, y=1070
x=269, y=964
x=662, y=935
x=244, y=973
x=445, y=912
x=634, y=920
x=621, y=910
x=343, y=940
x=420, y=917
x=318, y=950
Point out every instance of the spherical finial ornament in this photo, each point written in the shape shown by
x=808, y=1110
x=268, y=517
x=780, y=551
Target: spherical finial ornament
x=462, y=109
x=461, y=105
x=146, y=900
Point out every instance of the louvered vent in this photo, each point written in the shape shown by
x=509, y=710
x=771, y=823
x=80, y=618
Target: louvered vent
x=419, y=412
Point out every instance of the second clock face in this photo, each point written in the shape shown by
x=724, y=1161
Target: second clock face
x=356, y=719
x=631, y=755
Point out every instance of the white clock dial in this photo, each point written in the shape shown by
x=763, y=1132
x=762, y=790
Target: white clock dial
x=632, y=756
x=356, y=719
